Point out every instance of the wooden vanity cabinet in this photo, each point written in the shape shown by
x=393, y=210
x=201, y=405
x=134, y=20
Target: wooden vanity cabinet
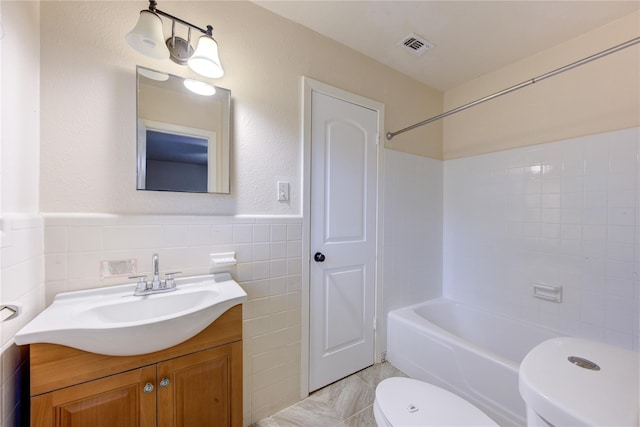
x=111, y=401
x=199, y=389
x=196, y=383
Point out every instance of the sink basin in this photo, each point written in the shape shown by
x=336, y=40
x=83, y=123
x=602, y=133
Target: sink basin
x=112, y=321
x=136, y=309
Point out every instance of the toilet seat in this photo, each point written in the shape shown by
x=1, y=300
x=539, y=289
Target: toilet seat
x=409, y=402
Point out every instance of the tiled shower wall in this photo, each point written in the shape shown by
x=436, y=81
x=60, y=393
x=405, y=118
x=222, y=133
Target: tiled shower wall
x=563, y=213
x=412, y=258
x=269, y=268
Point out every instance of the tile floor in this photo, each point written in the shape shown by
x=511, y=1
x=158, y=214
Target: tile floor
x=346, y=403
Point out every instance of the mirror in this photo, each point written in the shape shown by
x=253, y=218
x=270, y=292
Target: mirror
x=183, y=136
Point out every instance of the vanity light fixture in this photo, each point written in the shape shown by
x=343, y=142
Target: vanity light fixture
x=147, y=38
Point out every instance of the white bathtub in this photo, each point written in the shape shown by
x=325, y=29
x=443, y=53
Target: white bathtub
x=471, y=352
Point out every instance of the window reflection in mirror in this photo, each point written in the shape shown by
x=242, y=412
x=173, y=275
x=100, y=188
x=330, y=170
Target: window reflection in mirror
x=183, y=137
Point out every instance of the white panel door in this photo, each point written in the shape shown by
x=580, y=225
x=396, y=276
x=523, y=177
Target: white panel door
x=343, y=238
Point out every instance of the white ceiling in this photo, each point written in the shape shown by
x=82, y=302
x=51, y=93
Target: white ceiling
x=471, y=38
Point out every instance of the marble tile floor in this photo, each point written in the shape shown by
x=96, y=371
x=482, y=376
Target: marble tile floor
x=345, y=403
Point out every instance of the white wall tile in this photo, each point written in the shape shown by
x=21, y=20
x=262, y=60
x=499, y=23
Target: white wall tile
x=83, y=265
x=277, y=285
x=621, y=233
x=294, y=282
x=175, y=236
x=278, y=306
x=578, y=225
x=222, y=234
x=413, y=200
x=261, y=251
x=132, y=237
x=294, y=248
x=278, y=232
x=261, y=233
x=621, y=216
x=242, y=233
x=244, y=252
x=56, y=240
x=83, y=239
x=21, y=282
x=278, y=268
x=294, y=232
x=278, y=250
x=200, y=235
x=56, y=267
x=256, y=289
x=260, y=270
x=294, y=266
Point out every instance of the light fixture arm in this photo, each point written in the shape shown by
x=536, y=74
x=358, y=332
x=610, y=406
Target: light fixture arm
x=153, y=7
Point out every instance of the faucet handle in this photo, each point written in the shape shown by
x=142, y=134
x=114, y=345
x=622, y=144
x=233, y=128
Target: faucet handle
x=142, y=282
x=169, y=281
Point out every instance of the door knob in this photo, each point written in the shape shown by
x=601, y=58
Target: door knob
x=165, y=382
x=319, y=257
x=148, y=387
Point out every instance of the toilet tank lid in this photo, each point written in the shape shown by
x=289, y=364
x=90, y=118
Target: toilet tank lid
x=599, y=386
x=409, y=402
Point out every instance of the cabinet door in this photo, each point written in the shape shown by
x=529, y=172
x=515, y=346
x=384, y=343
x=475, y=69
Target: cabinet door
x=117, y=400
x=202, y=389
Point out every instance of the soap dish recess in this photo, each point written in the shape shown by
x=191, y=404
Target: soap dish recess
x=547, y=292
x=223, y=259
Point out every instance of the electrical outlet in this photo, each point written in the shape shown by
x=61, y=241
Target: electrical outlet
x=283, y=191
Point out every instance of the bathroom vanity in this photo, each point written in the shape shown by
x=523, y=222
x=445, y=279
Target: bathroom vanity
x=195, y=383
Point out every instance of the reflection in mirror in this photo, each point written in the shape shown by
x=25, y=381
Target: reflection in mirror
x=183, y=137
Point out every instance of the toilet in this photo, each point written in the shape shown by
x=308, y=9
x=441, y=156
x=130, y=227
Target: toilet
x=404, y=402
x=575, y=382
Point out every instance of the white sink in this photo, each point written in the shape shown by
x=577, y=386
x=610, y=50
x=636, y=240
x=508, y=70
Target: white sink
x=112, y=321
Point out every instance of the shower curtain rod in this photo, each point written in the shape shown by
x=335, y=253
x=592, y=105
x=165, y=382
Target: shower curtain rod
x=526, y=83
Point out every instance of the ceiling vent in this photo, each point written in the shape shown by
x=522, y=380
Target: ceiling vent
x=415, y=44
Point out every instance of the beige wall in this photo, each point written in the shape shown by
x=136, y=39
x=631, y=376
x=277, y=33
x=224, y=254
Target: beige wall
x=597, y=97
x=88, y=104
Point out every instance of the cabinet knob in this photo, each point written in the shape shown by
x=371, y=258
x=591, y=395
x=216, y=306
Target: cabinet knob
x=148, y=388
x=164, y=382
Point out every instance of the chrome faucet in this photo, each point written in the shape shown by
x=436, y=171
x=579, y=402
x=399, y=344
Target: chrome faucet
x=156, y=285
x=155, y=281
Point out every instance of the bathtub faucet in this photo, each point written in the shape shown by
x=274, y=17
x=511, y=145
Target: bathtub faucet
x=156, y=285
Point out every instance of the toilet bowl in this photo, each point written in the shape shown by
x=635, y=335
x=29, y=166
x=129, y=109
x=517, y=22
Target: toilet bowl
x=575, y=382
x=404, y=402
